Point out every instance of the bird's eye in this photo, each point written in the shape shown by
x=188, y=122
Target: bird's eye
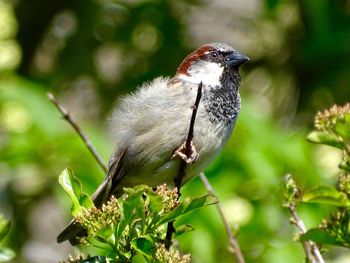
x=214, y=54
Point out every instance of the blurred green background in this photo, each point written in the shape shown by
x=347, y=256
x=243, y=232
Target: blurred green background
x=89, y=53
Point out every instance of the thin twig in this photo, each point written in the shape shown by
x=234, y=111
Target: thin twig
x=300, y=225
x=311, y=250
x=317, y=252
x=76, y=127
x=292, y=197
x=193, y=119
x=183, y=164
x=232, y=239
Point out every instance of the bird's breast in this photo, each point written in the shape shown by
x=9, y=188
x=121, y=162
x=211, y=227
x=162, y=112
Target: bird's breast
x=221, y=104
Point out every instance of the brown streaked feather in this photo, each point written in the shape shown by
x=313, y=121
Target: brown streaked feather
x=115, y=174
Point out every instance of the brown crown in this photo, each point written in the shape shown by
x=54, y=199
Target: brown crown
x=194, y=56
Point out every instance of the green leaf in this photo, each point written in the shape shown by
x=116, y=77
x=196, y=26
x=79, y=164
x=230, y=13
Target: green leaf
x=325, y=138
x=107, y=233
x=321, y=236
x=4, y=227
x=342, y=127
x=134, y=204
x=131, y=207
x=325, y=195
x=183, y=229
x=144, y=245
x=73, y=188
x=345, y=164
x=137, y=190
x=96, y=259
x=188, y=205
x=6, y=254
x=155, y=202
x=99, y=242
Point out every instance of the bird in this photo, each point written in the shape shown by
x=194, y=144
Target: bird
x=151, y=125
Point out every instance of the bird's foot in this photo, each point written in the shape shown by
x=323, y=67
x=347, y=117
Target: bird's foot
x=188, y=155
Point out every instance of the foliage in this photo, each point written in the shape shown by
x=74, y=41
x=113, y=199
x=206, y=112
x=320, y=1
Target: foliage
x=332, y=127
x=6, y=254
x=134, y=223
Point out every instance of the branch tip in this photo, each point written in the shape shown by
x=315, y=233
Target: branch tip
x=65, y=114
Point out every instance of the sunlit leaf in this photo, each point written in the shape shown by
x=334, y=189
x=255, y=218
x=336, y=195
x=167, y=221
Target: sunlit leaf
x=97, y=259
x=326, y=138
x=73, y=188
x=321, y=236
x=107, y=232
x=136, y=189
x=100, y=242
x=4, y=227
x=183, y=229
x=130, y=208
x=325, y=195
x=189, y=204
x=342, y=127
x=155, y=202
x=345, y=164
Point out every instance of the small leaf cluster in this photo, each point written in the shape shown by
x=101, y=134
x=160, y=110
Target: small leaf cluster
x=134, y=223
x=6, y=254
x=291, y=192
x=332, y=127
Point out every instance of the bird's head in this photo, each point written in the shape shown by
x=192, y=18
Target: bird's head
x=209, y=62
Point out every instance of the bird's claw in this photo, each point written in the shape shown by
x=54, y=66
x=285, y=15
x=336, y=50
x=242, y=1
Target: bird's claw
x=189, y=157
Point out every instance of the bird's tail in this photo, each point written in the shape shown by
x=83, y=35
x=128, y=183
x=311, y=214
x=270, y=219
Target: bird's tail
x=110, y=186
x=74, y=231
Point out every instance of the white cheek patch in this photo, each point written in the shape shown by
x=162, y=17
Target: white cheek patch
x=207, y=72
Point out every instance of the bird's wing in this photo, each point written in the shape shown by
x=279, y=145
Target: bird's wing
x=116, y=172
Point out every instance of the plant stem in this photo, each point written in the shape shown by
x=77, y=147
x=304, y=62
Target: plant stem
x=312, y=252
x=232, y=239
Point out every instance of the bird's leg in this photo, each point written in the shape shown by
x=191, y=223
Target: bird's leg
x=188, y=155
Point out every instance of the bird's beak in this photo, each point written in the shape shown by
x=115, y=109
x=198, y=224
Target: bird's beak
x=236, y=59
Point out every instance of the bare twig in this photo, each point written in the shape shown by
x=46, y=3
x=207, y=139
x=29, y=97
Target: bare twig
x=183, y=164
x=317, y=252
x=312, y=252
x=193, y=118
x=232, y=239
x=300, y=225
x=76, y=127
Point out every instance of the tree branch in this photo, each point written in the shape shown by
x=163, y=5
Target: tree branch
x=232, y=239
x=183, y=164
x=76, y=127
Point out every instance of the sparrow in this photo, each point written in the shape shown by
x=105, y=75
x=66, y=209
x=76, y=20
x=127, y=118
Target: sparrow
x=151, y=125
